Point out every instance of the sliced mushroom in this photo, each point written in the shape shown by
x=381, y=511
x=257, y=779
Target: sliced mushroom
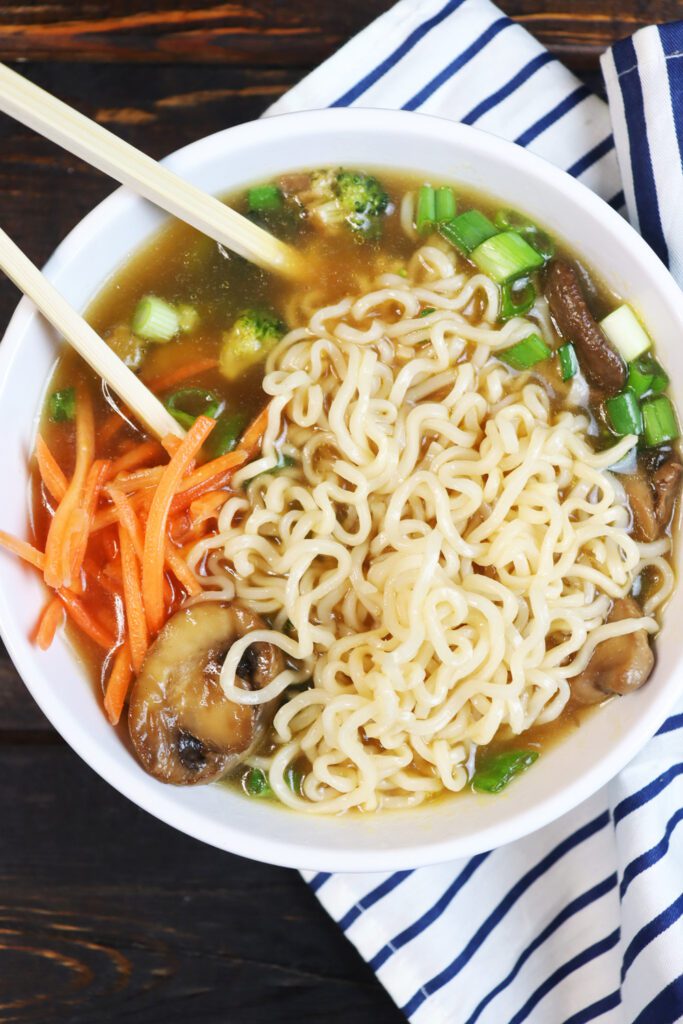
x=652, y=501
x=618, y=665
x=667, y=485
x=183, y=727
x=601, y=364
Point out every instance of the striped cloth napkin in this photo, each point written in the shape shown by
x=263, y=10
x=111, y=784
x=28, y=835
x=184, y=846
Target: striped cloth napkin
x=583, y=921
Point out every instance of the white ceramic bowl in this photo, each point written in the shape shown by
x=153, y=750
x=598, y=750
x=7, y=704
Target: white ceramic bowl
x=575, y=768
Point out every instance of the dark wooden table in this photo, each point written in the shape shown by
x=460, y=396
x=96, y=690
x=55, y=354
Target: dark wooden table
x=105, y=913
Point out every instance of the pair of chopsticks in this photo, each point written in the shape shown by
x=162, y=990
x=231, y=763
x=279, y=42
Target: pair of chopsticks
x=84, y=138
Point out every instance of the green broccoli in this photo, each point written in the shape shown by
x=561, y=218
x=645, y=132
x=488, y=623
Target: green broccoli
x=249, y=340
x=351, y=197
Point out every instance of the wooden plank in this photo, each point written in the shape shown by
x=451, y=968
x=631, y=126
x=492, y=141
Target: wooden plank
x=266, y=33
x=109, y=916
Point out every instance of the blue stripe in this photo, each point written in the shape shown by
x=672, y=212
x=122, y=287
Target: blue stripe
x=576, y=962
x=667, y=1007
x=674, y=722
x=406, y=46
x=649, y=220
x=580, y=903
x=671, y=38
x=591, y=157
x=430, y=915
x=319, y=880
x=642, y=796
x=387, y=886
x=618, y=200
x=649, y=932
x=459, y=62
x=650, y=857
x=518, y=890
x=506, y=90
x=567, y=104
x=596, y=1009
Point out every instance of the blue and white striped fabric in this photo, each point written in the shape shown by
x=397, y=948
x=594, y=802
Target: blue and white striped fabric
x=583, y=921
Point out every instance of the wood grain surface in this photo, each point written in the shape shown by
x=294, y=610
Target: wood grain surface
x=106, y=915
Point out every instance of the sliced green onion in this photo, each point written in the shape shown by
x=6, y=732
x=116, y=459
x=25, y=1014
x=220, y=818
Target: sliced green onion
x=227, y=432
x=506, y=256
x=155, y=319
x=516, y=298
x=425, y=213
x=294, y=778
x=283, y=462
x=659, y=421
x=569, y=364
x=645, y=375
x=627, y=334
x=62, y=405
x=467, y=230
x=623, y=413
x=525, y=353
x=187, y=404
x=255, y=782
x=445, y=204
x=508, y=220
x=497, y=771
x=188, y=317
x=426, y=311
x=264, y=198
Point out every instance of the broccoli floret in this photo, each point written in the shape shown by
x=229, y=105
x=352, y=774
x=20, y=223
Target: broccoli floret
x=249, y=340
x=345, y=197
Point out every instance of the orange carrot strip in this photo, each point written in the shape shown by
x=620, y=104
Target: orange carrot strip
x=57, y=566
x=180, y=570
x=85, y=622
x=207, y=505
x=137, y=456
x=155, y=534
x=252, y=436
x=110, y=427
x=128, y=520
x=132, y=598
x=171, y=443
x=82, y=519
x=23, y=549
x=181, y=373
x=50, y=471
x=207, y=478
x=118, y=684
x=50, y=620
x=139, y=479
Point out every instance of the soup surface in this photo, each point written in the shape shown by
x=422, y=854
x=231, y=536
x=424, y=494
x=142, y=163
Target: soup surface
x=446, y=533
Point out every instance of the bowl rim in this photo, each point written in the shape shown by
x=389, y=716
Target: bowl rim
x=162, y=805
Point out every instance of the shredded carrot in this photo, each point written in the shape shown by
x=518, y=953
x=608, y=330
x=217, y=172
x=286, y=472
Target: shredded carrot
x=139, y=479
x=110, y=427
x=207, y=478
x=252, y=436
x=57, y=567
x=137, y=456
x=132, y=596
x=128, y=520
x=50, y=471
x=181, y=373
x=50, y=620
x=84, y=620
x=118, y=684
x=155, y=534
x=23, y=549
x=181, y=571
x=207, y=506
x=82, y=518
x=171, y=443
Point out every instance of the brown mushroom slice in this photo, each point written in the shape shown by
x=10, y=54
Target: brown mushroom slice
x=641, y=500
x=184, y=729
x=618, y=665
x=667, y=485
x=601, y=364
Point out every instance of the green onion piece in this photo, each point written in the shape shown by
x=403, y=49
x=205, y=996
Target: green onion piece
x=425, y=213
x=62, y=405
x=623, y=413
x=659, y=421
x=645, y=375
x=255, y=782
x=155, y=319
x=283, y=462
x=525, y=353
x=508, y=220
x=467, y=230
x=227, y=432
x=569, y=364
x=506, y=256
x=516, y=298
x=264, y=198
x=294, y=779
x=187, y=404
x=627, y=334
x=445, y=204
x=426, y=311
x=497, y=771
x=188, y=317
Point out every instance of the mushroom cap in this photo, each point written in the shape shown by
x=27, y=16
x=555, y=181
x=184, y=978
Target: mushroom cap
x=184, y=729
